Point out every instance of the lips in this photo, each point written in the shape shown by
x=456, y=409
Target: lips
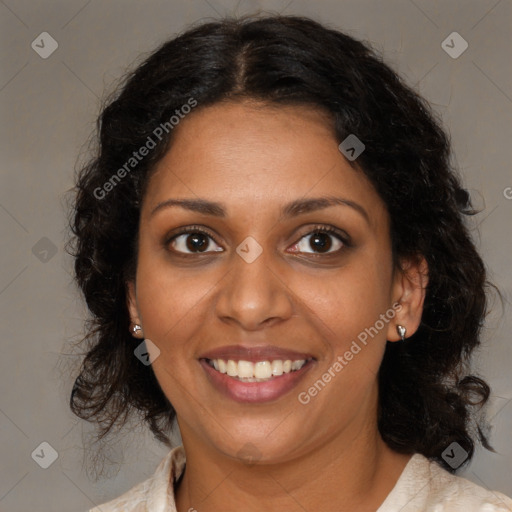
x=276, y=371
x=254, y=354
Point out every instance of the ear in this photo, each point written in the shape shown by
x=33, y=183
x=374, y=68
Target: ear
x=131, y=302
x=409, y=289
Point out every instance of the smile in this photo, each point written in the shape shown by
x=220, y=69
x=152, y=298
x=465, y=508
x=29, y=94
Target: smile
x=255, y=381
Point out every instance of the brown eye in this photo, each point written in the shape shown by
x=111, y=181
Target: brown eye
x=193, y=241
x=197, y=242
x=320, y=241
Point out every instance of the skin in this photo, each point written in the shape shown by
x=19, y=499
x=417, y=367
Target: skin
x=255, y=158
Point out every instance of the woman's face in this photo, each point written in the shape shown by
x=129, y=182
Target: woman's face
x=258, y=279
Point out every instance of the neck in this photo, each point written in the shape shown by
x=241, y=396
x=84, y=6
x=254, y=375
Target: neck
x=353, y=471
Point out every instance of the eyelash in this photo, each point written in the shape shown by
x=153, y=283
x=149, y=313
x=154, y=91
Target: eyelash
x=341, y=236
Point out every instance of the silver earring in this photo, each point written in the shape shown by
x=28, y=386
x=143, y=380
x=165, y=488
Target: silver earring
x=401, y=330
x=136, y=329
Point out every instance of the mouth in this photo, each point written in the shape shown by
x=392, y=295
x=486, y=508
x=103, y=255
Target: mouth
x=257, y=374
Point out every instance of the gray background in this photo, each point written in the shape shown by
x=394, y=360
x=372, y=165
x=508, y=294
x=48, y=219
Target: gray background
x=48, y=109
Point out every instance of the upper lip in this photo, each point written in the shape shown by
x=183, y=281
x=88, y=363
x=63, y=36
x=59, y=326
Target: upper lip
x=254, y=354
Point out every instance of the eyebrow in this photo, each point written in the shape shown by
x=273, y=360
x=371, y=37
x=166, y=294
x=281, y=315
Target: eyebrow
x=293, y=209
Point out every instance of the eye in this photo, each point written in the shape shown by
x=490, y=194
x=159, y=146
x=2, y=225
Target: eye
x=192, y=240
x=323, y=240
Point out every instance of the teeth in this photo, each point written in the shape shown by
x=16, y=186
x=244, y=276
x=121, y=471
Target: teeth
x=232, y=368
x=277, y=367
x=245, y=369
x=248, y=371
x=222, y=365
x=262, y=370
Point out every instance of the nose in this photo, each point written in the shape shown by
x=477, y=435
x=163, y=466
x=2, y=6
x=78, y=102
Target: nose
x=254, y=295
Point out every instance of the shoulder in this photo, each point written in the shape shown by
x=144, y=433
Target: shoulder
x=134, y=500
x=425, y=486
x=154, y=494
x=458, y=493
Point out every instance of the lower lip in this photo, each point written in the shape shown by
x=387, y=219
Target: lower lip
x=254, y=392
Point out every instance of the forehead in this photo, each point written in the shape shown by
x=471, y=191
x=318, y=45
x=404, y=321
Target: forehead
x=253, y=154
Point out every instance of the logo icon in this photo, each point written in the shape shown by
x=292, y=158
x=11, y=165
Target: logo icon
x=44, y=250
x=249, y=249
x=351, y=147
x=45, y=455
x=44, y=45
x=146, y=352
x=454, y=455
x=249, y=453
x=454, y=45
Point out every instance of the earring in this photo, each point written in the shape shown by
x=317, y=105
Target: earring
x=401, y=330
x=136, y=329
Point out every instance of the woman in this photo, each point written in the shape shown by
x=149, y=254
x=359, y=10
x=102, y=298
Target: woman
x=271, y=242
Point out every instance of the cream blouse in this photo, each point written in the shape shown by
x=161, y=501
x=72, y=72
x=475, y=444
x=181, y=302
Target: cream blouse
x=423, y=486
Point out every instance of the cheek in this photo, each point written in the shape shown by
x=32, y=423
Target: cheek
x=171, y=307
x=349, y=300
x=170, y=302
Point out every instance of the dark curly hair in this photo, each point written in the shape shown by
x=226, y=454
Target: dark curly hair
x=428, y=398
